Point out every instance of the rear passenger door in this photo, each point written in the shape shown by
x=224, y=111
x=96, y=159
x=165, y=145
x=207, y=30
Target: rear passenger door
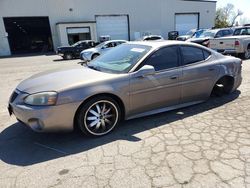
x=198, y=74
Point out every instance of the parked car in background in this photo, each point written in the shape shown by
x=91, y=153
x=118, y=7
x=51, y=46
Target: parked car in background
x=203, y=39
x=70, y=52
x=238, y=44
x=92, y=53
x=130, y=81
x=192, y=33
x=152, y=37
x=172, y=35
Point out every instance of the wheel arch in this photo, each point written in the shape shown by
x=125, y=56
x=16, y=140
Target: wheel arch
x=222, y=79
x=96, y=53
x=115, y=97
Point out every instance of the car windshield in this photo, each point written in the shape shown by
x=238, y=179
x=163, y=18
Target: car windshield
x=197, y=34
x=77, y=43
x=207, y=34
x=191, y=32
x=101, y=44
x=120, y=59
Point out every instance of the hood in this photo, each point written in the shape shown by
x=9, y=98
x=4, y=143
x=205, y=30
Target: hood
x=63, y=79
x=184, y=36
x=198, y=40
x=65, y=47
x=90, y=50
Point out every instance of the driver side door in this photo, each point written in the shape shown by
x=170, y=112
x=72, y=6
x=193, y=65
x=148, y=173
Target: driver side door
x=160, y=90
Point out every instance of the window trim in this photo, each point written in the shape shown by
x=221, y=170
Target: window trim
x=156, y=50
x=198, y=62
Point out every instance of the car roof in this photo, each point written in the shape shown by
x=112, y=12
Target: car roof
x=219, y=29
x=115, y=41
x=242, y=27
x=159, y=44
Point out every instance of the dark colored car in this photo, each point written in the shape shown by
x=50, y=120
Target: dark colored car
x=70, y=52
x=203, y=39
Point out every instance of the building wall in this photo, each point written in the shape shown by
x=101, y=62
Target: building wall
x=62, y=35
x=153, y=16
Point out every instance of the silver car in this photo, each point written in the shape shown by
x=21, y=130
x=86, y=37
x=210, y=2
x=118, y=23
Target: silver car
x=92, y=53
x=132, y=80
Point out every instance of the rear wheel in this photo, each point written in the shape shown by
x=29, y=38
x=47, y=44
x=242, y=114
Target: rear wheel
x=99, y=116
x=223, y=86
x=246, y=54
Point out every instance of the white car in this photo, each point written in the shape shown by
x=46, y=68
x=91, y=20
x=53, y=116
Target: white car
x=92, y=53
x=238, y=44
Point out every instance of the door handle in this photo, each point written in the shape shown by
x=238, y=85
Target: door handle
x=173, y=77
x=211, y=69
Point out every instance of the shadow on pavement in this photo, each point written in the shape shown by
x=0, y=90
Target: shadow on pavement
x=23, y=147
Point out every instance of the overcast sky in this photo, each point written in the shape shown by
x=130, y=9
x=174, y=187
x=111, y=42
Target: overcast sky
x=243, y=5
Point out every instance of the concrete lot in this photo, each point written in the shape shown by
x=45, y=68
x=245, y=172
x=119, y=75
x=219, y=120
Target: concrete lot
x=206, y=145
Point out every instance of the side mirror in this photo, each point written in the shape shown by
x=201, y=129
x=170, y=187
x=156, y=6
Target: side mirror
x=145, y=71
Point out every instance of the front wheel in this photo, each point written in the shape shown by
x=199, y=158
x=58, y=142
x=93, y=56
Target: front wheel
x=99, y=116
x=68, y=56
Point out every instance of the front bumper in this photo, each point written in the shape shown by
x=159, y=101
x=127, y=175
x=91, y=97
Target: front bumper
x=44, y=118
x=85, y=57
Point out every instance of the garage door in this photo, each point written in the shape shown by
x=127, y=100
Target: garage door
x=28, y=34
x=186, y=22
x=114, y=26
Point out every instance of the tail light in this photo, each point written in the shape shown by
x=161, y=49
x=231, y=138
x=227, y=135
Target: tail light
x=237, y=43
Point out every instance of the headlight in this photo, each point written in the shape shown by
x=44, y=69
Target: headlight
x=41, y=99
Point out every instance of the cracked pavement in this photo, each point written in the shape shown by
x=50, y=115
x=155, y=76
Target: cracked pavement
x=206, y=145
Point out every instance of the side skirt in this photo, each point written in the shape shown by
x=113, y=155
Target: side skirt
x=163, y=110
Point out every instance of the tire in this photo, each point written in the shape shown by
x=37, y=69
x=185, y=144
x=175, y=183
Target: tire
x=246, y=54
x=67, y=56
x=99, y=116
x=95, y=56
x=223, y=87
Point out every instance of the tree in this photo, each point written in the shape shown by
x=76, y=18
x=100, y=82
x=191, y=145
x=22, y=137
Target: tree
x=226, y=16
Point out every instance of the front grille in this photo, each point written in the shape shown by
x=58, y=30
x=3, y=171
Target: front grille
x=13, y=96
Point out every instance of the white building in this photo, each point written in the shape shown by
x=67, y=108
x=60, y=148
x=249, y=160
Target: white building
x=43, y=25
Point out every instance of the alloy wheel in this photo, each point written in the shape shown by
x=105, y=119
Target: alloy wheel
x=101, y=117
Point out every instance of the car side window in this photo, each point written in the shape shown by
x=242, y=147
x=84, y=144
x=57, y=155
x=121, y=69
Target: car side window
x=248, y=31
x=191, y=54
x=164, y=58
x=227, y=32
x=110, y=45
x=91, y=44
x=206, y=54
x=219, y=34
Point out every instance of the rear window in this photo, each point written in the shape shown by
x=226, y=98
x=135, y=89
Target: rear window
x=207, y=54
x=242, y=31
x=193, y=54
